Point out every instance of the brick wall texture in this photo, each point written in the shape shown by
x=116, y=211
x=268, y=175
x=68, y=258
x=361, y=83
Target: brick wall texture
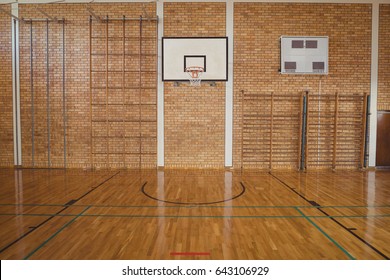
x=6, y=123
x=112, y=124
x=384, y=58
x=257, y=29
x=102, y=126
x=194, y=117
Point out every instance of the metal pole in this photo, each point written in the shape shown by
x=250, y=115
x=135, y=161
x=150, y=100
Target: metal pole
x=29, y=20
x=140, y=91
x=107, y=123
x=304, y=133
x=63, y=89
x=32, y=96
x=90, y=88
x=300, y=131
x=157, y=93
x=129, y=19
x=364, y=131
x=271, y=130
x=366, y=140
x=336, y=115
x=48, y=93
x=242, y=129
x=16, y=93
x=123, y=89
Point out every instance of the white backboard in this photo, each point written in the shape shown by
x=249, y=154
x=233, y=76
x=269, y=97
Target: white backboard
x=304, y=55
x=208, y=52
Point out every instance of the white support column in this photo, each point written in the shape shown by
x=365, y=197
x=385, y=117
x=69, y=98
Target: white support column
x=16, y=87
x=229, y=86
x=160, y=87
x=374, y=83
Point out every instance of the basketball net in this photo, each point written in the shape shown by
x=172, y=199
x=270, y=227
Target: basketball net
x=195, y=74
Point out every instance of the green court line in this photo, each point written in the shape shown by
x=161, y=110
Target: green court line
x=224, y=217
x=195, y=206
x=186, y=216
x=193, y=216
x=326, y=235
x=145, y=216
x=54, y=235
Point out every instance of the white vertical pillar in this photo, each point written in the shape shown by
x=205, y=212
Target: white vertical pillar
x=160, y=87
x=16, y=86
x=374, y=83
x=229, y=85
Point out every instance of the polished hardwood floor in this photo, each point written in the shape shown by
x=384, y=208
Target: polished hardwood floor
x=194, y=214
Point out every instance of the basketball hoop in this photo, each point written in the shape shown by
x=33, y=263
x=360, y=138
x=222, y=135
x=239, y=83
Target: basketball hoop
x=195, y=73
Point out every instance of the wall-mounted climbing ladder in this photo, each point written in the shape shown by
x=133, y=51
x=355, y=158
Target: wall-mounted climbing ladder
x=123, y=92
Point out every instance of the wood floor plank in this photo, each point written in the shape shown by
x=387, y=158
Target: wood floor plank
x=150, y=214
x=232, y=239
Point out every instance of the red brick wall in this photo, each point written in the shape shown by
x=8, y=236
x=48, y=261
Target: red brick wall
x=6, y=123
x=257, y=29
x=114, y=141
x=194, y=117
x=384, y=58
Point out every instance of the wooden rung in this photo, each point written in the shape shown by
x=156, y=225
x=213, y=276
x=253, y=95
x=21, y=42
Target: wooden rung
x=121, y=71
x=328, y=125
x=349, y=116
x=121, y=88
x=257, y=115
x=121, y=37
x=344, y=137
x=322, y=98
x=256, y=149
x=322, y=117
x=124, y=104
x=355, y=97
x=127, y=153
x=281, y=126
x=350, y=124
x=256, y=144
x=255, y=161
x=124, y=137
x=285, y=152
x=256, y=123
x=251, y=151
x=121, y=54
x=286, y=116
x=119, y=121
